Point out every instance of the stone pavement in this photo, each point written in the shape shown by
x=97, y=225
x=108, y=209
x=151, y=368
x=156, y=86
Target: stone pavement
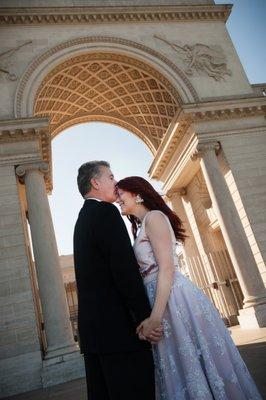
x=251, y=344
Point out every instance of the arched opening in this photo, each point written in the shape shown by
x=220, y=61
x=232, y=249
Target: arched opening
x=127, y=154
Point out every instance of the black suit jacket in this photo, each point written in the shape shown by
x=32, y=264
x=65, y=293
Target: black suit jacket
x=111, y=296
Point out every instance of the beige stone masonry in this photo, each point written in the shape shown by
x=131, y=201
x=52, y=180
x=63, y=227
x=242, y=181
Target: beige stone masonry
x=237, y=244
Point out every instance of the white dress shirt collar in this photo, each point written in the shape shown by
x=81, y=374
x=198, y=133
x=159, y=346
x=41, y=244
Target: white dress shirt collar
x=92, y=198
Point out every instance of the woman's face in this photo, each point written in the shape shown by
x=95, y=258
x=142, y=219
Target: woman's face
x=126, y=201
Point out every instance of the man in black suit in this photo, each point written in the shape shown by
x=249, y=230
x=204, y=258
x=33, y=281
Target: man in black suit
x=111, y=297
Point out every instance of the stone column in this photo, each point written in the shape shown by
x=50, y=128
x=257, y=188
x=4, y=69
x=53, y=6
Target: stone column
x=254, y=312
x=191, y=250
x=175, y=197
x=202, y=271
x=57, y=325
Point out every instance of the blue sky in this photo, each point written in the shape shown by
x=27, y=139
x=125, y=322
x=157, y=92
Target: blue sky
x=247, y=29
x=127, y=154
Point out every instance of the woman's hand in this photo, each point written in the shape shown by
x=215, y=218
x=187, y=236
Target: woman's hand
x=151, y=329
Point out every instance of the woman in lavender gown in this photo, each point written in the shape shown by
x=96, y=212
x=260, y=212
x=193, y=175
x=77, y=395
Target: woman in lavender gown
x=196, y=358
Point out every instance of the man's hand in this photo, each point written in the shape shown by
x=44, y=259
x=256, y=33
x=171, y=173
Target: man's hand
x=150, y=330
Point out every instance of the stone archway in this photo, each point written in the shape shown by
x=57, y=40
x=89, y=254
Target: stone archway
x=113, y=87
x=116, y=88
x=192, y=122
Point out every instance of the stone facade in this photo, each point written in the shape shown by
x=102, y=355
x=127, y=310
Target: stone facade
x=168, y=72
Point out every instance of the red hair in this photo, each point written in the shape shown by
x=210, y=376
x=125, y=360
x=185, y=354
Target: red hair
x=152, y=201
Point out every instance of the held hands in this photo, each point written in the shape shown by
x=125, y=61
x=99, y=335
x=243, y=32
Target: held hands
x=151, y=330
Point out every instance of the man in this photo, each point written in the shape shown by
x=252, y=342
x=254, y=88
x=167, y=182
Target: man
x=111, y=297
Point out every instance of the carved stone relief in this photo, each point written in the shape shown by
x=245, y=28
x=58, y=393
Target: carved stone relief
x=201, y=58
x=5, y=62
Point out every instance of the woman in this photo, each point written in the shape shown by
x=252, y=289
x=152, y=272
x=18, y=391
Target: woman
x=196, y=359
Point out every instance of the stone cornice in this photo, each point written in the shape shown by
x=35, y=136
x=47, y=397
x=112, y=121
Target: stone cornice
x=26, y=129
x=85, y=15
x=169, y=143
x=225, y=109
x=202, y=112
x=180, y=169
x=12, y=127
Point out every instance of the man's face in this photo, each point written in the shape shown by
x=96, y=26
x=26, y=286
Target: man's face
x=106, y=185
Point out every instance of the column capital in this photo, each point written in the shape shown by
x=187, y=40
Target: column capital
x=172, y=193
x=41, y=167
x=203, y=147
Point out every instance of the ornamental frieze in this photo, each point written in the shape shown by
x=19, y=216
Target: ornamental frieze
x=81, y=15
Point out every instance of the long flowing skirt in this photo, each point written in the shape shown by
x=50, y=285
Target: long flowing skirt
x=196, y=359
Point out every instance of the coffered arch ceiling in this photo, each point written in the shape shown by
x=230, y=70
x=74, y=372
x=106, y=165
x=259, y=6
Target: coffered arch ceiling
x=108, y=87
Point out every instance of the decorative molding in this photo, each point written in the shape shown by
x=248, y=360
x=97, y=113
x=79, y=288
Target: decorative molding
x=202, y=148
x=172, y=193
x=169, y=143
x=22, y=170
x=201, y=58
x=218, y=135
x=180, y=169
x=226, y=109
x=185, y=123
x=17, y=134
x=28, y=129
x=41, y=167
x=4, y=61
x=103, y=15
x=239, y=112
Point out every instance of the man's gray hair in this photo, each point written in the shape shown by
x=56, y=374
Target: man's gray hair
x=88, y=171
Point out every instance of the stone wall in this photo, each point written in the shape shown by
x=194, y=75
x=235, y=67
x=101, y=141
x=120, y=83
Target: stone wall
x=210, y=36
